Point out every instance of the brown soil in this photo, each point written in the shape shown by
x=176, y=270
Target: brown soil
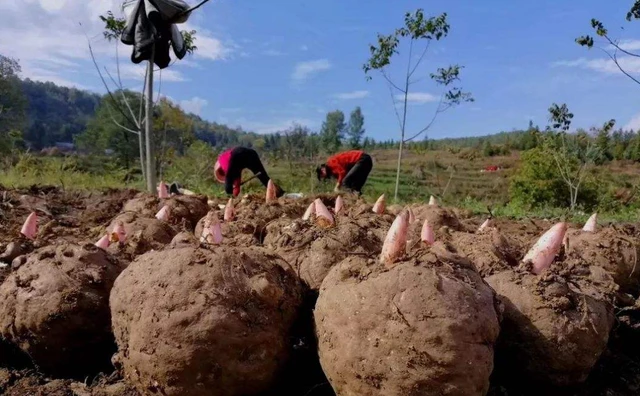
x=313, y=250
x=189, y=320
x=74, y=218
x=556, y=326
x=143, y=234
x=491, y=251
x=425, y=327
x=55, y=308
x=612, y=250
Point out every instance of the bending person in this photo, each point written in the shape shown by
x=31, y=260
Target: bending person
x=351, y=168
x=230, y=164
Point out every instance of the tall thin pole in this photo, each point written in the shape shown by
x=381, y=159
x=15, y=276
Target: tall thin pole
x=151, y=163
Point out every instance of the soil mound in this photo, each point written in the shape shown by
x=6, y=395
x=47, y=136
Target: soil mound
x=55, y=307
x=489, y=250
x=425, y=327
x=555, y=325
x=143, y=234
x=190, y=320
x=313, y=251
x=617, y=253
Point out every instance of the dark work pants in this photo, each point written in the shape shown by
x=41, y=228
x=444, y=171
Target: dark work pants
x=245, y=158
x=358, y=174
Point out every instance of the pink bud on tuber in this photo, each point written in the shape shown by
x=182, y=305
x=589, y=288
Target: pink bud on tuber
x=395, y=243
x=546, y=248
x=339, y=204
x=164, y=213
x=323, y=217
x=212, y=233
x=590, y=225
x=412, y=217
x=229, y=211
x=432, y=201
x=118, y=234
x=310, y=210
x=485, y=225
x=163, y=192
x=103, y=243
x=271, y=191
x=379, y=206
x=30, y=226
x=427, y=236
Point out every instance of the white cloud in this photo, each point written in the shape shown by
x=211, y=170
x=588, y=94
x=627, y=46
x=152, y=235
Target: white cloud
x=273, y=52
x=628, y=45
x=352, y=95
x=418, y=98
x=604, y=65
x=633, y=124
x=270, y=126
x=193, y=105
x=49, y=37
x=304, y=70
x=132, y=72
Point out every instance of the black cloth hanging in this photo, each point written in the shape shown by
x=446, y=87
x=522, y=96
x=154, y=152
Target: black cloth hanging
x=152, y=23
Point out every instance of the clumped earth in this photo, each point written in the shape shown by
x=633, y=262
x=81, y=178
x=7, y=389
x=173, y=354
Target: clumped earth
x=253, y=302
x=188, y=320
x=425, y=327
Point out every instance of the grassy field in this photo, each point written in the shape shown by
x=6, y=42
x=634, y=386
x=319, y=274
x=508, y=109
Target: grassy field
x=449, y=177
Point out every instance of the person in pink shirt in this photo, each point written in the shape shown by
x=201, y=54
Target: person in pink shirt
x=230, y=164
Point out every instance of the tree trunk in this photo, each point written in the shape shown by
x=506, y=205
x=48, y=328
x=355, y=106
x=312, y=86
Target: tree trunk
x=151, y=164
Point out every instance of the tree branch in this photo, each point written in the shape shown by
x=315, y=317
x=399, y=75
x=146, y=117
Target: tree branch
x=420, y=59
x=614, y=58
x=395, y=108
x=439, y=110
x=124, y=98
x=618, y=48
x=384, y=74
x=95, y=63
x=120, y=125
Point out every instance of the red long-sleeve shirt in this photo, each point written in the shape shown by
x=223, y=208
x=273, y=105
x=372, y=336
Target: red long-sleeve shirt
x=340, y=164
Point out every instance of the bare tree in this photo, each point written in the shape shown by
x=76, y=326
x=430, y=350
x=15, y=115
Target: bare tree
x=139, y=125
x=417, y=33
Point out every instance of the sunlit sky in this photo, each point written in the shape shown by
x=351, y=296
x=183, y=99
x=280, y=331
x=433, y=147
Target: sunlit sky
x=264, y=65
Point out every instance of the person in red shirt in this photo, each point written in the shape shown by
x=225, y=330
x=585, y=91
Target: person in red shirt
x=230, y=164
x=351, y=168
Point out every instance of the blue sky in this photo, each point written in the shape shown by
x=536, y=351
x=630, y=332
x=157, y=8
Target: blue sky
x=264, y=65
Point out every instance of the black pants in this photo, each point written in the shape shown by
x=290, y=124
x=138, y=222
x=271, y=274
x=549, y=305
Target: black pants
x=358, y=174
x=245, y=158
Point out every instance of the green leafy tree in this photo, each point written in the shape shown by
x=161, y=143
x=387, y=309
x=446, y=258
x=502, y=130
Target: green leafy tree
x=356, y=128
x=417, y=34
x=333, y=131
x=571, y=155
x=12, y=104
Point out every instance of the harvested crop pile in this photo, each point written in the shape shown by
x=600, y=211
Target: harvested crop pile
x=313, y=250
x=235, y=233
x=184, y=238
x=555, y=325
x=427, y=326
x=490, y=250
x=26, y=382
x=143, y=234
x=437, y=216
x=190, y=320
x=617, y=253
x=186, y=210
x=55, y=307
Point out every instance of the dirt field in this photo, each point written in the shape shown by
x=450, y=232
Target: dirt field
x=171, y=315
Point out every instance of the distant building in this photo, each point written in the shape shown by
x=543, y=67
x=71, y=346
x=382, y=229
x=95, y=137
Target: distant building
x=65, y=146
